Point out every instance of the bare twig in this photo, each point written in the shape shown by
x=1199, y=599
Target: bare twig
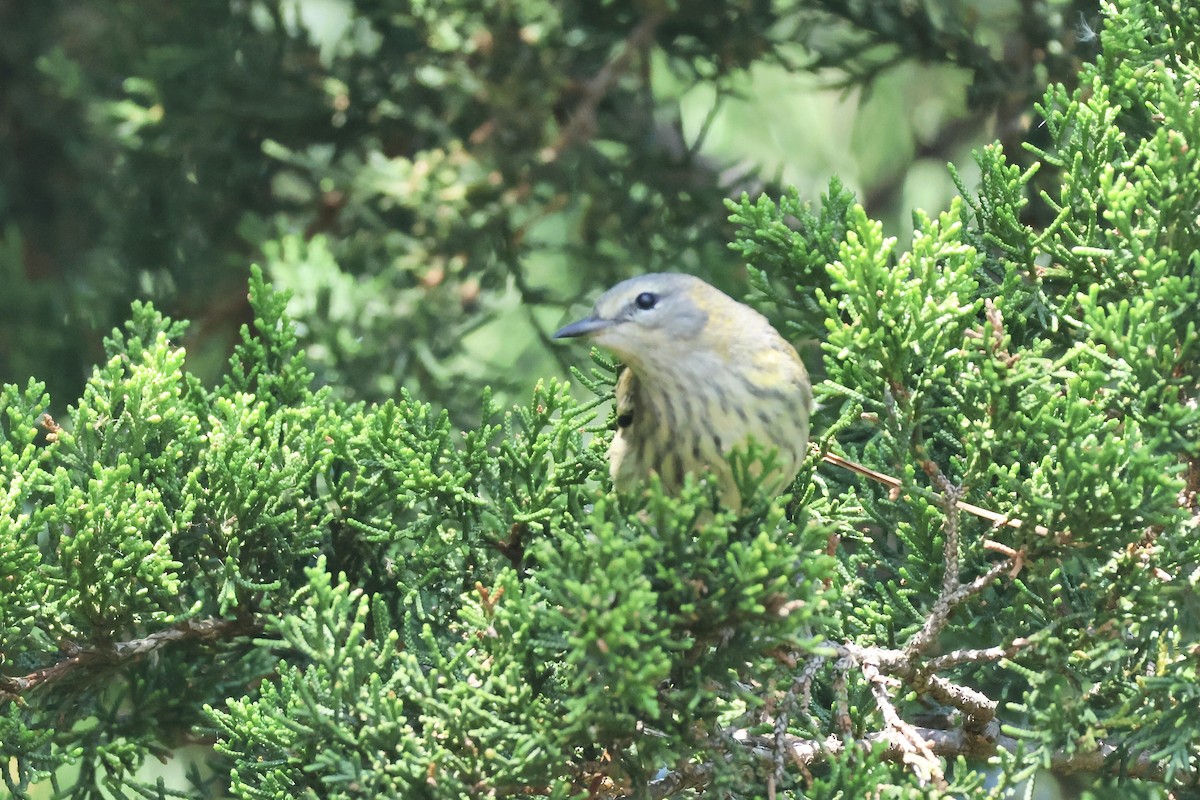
x=951, y=497
x=982, y=582
x=978, y=708
x=582, y=124
x=939, y=615
x=802, y=686
x=965, y=656
x=886, y=670
x=116, y=654
x=953, y=593
x=915, y=751
x=999, y=520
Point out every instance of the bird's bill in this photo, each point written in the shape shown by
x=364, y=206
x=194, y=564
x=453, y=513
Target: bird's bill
x=583, y=327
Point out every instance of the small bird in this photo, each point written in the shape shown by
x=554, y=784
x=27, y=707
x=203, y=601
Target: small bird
x=703, y=374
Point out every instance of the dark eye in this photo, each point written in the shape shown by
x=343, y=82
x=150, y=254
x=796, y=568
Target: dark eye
x=646, y=301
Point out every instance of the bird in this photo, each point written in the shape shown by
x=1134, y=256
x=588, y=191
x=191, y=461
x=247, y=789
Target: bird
x=702, y=374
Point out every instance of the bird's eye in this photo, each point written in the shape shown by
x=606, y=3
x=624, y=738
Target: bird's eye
x=646, y=301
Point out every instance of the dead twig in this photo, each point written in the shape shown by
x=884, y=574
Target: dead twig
x=999, y=520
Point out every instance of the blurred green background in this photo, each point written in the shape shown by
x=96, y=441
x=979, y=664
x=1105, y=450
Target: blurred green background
x=441, y=184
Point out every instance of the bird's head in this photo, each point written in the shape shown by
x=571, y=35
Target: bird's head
x=649, y=318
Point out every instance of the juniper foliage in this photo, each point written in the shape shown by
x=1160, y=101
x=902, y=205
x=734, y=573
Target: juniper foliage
x=1052, y=372
x=341, y=599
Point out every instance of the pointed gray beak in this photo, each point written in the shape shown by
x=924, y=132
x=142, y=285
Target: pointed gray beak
x=583, y=327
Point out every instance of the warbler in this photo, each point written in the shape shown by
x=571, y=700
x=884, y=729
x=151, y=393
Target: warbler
x=703, y=374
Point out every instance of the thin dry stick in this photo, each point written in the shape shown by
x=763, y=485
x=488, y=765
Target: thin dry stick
x=894, y=483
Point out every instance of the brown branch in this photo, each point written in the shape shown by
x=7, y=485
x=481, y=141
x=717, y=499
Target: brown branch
x=203, y=630
x=938, y=742
x=887, y=671
x=951, y=552
x=582, y=124
x=978, y=709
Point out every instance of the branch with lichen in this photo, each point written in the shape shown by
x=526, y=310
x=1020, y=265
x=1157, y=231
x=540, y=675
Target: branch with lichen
x=804, y=754
x=889, y=673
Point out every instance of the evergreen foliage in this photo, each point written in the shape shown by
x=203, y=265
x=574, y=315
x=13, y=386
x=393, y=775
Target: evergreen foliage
x=472, y=604
x=413, y=172
x=356, y=599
